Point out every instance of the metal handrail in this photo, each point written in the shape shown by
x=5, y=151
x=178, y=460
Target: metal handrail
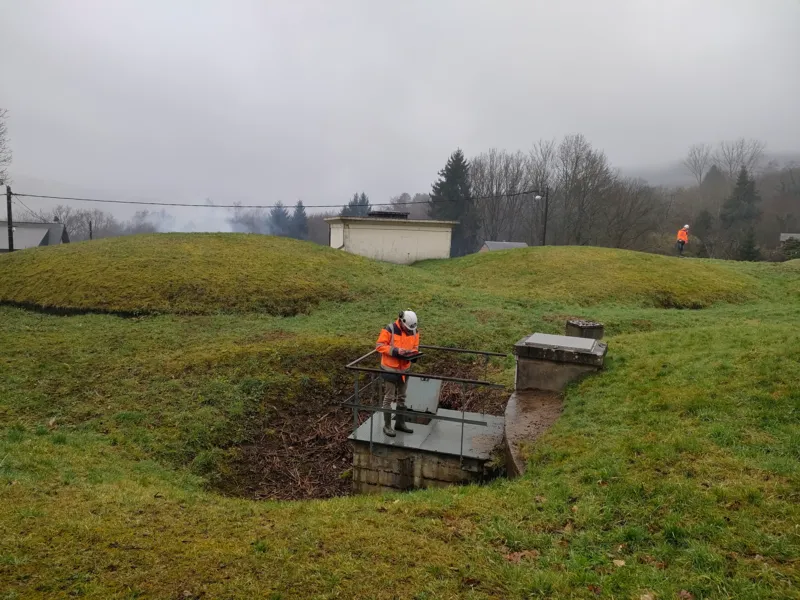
x=352, y=367
x=463, y=350
x=358, y=407
x=431, y=376
x=411, y=413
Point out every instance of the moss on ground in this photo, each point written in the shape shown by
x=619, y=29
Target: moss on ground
x=677, y=469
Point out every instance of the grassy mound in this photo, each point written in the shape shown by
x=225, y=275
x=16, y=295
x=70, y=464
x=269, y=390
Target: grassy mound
x=674, y=473
x=186, y=273
x=588, y=276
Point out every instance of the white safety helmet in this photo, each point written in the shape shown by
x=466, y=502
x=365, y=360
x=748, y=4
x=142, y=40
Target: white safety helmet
x=686, y=226
x=409, y=320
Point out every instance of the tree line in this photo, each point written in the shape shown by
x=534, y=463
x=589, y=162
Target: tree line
x=737, y=206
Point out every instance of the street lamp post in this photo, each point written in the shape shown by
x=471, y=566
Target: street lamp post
x=10, y=220
x=546, y=203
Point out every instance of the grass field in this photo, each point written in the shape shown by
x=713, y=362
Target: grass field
x=673, y=474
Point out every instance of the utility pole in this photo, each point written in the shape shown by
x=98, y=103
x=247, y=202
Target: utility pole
x=10, y=222
x=544, y=225
x=90, y=229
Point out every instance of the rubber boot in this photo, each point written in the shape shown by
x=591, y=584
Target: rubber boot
x=387, y=425
x=400, y=425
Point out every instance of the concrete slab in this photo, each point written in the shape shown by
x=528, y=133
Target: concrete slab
x=439, y=437
x=563, y=342
x=561, y=349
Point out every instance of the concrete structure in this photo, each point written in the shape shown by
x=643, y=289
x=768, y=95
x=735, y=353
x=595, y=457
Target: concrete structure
x=785, y=237
x=434, y=455
x=429, y=457
x=490, y=246
x=442, y=452
x=584, y=329
x=31, y=235
x=550, y=362
x=546, y=364
x=397, y=240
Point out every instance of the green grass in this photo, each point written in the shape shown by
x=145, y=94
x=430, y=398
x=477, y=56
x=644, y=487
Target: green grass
x=681, y=459
x=187, y=273
x=590, y=276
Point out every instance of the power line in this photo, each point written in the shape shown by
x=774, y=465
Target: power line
x=262, y=206
x=32, y=214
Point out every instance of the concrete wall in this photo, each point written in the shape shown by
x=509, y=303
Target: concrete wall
x=393, y=468
x=401, y=242
x=337, y=235
x=534, y=374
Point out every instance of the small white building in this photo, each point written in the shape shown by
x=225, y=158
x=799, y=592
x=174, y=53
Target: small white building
x=391, y=237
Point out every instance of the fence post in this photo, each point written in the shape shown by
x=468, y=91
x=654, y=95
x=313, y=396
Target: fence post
x=10, y=221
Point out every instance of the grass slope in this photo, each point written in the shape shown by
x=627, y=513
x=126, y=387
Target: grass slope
x=588, y=276
x=681, y=460
x=186, y=273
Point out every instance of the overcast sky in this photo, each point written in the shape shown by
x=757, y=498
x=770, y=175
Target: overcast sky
x=263, y=101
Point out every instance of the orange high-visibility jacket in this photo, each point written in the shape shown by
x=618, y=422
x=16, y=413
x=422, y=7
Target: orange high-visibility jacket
x=683, y=236
x=392, y=339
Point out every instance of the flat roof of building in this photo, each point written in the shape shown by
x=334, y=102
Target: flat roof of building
x=401, y=222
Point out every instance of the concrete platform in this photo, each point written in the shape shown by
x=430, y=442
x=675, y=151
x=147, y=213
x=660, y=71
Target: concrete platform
x=428, y=457
x=439, y=437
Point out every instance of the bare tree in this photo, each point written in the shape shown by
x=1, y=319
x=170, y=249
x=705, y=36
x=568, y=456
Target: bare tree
x=632, y=211
x=5, y=148
x=318, y=229
x=584, y=180
x=496, y=178
x=103, y=224
x=416, y=207
x=731, y=156
x=698, y=160
x=541, y=166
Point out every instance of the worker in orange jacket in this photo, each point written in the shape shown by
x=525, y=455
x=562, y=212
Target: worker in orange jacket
x=683, y=239
x=397, y=341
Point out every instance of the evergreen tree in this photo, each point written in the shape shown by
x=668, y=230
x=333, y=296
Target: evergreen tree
x=714, y=179
x=357, y=207
x=279, y=220
x=451, y=201
x=741, y=212
x=703, y=228
x=747, y=248
x=298, y=227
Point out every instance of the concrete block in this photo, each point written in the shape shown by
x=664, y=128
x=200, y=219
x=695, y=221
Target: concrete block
x=584, y=329
x=548, y=375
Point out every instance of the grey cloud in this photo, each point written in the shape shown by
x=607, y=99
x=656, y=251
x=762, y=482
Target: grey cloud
x=258, y=102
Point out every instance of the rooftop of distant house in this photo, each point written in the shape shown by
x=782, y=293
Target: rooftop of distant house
x=504, y=245
x=31, y=235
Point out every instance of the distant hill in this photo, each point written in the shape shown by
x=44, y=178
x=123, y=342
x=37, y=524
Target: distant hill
x=676, y=174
